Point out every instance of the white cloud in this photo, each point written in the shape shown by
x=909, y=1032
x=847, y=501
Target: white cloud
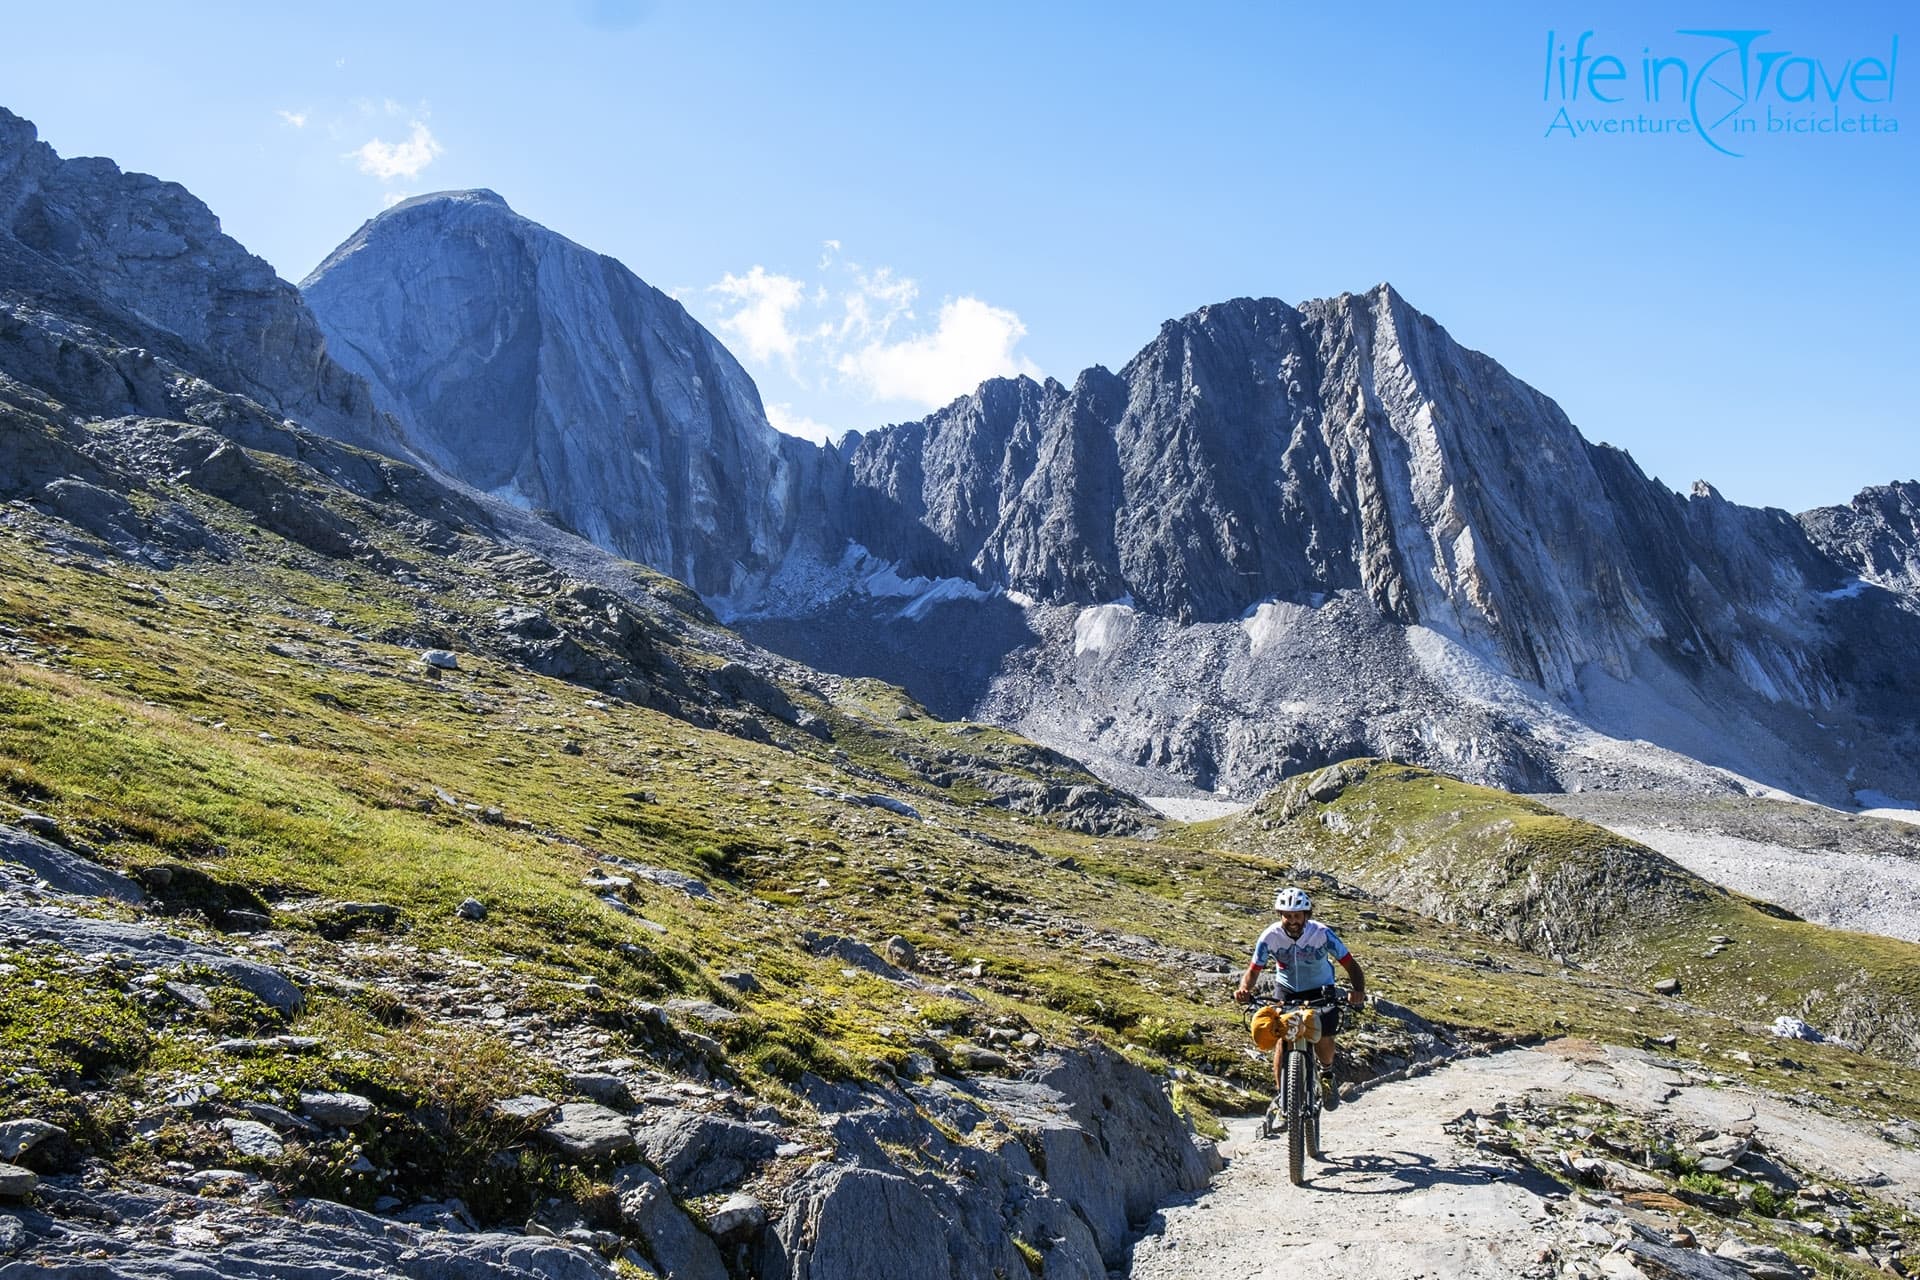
x=971, y=343
x=851, y=331
x=877, y=301
x=298, y=119
x=764, y=301
x=783, y=418
x=389, y=160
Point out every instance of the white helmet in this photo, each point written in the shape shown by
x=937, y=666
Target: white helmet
x=1292, y=898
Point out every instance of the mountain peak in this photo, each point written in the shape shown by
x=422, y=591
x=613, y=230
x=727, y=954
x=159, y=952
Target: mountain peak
x=538, y=370
x=470, y=196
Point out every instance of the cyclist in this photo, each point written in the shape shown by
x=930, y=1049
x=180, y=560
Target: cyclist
x=1302, y=953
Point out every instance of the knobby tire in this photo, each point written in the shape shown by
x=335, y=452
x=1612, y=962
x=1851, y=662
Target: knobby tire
x=1297, y=1118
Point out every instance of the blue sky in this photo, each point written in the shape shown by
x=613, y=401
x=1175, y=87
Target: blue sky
x=875, y=205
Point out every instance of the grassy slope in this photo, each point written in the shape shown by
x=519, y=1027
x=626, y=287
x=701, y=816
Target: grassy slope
x=147, y=713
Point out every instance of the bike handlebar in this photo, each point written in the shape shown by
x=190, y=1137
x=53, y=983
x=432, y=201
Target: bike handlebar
x=1338, y=1000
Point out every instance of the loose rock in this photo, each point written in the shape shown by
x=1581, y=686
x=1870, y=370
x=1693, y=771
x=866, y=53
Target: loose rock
x=588, y=1131
x=343, y=1109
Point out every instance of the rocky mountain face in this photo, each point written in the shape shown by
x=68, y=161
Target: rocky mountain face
x=1458, y=576
x=82, y=242
x=1254, y=452
x=549, y=375
x=1280, y=536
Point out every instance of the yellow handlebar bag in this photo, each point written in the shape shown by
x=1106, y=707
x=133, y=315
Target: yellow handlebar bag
x=1271, y=1025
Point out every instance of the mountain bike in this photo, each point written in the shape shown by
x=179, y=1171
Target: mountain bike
x=1295, y=1110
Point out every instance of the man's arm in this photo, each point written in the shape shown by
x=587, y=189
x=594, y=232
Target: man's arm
x=1244, y=992
x=1359, y=994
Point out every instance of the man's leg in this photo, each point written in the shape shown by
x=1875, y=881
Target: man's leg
x=1329, y=1092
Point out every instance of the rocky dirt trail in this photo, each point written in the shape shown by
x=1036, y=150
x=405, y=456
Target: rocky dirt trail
x=1411, y=1189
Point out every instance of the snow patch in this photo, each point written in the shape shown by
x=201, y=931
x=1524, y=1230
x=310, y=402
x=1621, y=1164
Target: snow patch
x=1467, y=675
x=804, y=584
x=1102, y=626
x=1848, y=592
x=510, y=494
x=881, y=579
x=1268, y=621
x=1878, y=804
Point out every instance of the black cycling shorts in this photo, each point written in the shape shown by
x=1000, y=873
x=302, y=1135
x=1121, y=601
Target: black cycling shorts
x=1329, y=1015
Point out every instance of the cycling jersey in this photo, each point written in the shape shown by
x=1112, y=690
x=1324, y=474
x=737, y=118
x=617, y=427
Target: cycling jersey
x=1299, y=964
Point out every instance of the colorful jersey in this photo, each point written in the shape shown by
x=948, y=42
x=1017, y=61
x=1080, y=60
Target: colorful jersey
x=1300, y=964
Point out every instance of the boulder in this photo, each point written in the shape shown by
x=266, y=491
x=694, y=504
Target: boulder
x=527, y=1108
x=1668, y=1262
x=739, y=1217
x=343, y=1109
x=64, y=870
x=15, y=1182
x=587, y=1131
x=17, y=1137
x=601, y=1086
x=1119, y=1150
x=678, y=1247
x=977, y=1057
x=1761, y=1261
x=850, y=1223
x=704, y=1011
x=699, y=1153
x=440, y=660
x=251, y=1138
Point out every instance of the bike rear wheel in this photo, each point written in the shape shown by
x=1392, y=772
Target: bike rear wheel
x=1297, y=1118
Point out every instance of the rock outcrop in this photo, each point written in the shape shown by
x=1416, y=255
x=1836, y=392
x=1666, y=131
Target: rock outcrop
x=1877, y=535
x=82, y=242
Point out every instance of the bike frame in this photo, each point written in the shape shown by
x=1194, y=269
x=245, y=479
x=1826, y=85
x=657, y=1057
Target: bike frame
x=1297, y=1069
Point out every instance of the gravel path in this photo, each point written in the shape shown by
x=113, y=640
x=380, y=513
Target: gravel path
x=1402, y=1199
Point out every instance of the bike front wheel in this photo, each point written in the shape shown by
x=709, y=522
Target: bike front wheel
x=1297, y=1117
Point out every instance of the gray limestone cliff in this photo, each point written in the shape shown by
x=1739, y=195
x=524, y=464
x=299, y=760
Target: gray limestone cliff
x=1258, y=452
x=549, y=375
x=81, y=241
